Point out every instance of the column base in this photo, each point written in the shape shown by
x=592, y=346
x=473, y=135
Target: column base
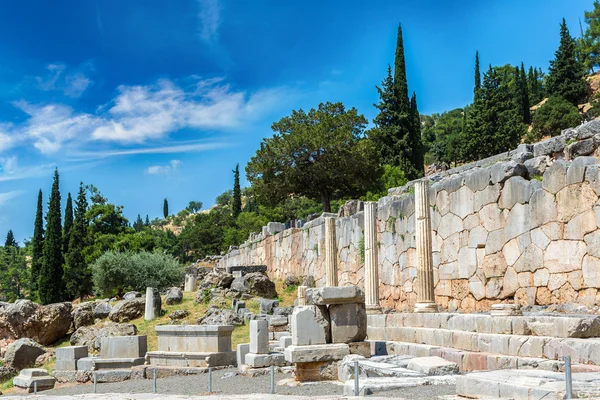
x=426, y=308
x=505, y=310
x=374, y=309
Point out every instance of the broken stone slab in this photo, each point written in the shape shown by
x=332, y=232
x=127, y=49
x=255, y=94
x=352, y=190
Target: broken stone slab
x=71, y=353
x=242, y=350
x=310, y=325
x=433, y=366
x=348, y=322
x=194, y=338
x=34, y=379
x=116, y=363
x=113, y=375
x=285, y=341
x=369, y=386
x=191, y=359
x=504, y=310
x=360, y=348
x=316, y=353
x=123, y=346
x=259, y=337
x=334, y=295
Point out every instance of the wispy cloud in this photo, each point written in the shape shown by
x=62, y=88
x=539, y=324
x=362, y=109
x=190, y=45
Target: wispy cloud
x=209, y=19
x=11, y=171
x=164, y=169
x=60, y=78
x=7, y=196
x=173, y=149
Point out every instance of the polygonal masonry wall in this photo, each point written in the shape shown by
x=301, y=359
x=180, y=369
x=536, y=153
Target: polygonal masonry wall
x=523, y=225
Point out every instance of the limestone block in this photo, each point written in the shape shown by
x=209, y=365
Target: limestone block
x=486, y=196
x=259, y=337
x=348, y=322
x=580, y=226
x=537, y=165
x=510, y=284
x=491, y=217
x=511, y=251
x=555, y=177
x=242, y=350
x=477, y=179
x=515, y=190
x=591, y=271
x=592, y=241
x=476, y=288
x=495, y=241
x=71, y=353
x=564, y=255
x=86, y=364
x=573, y=200
x=335, y=295
x=461, y=202
x=543, y=208
x=65, y=365
x=285, y=341
x=539, y=238
x=194, y=338
x=316, y=353
x=518, y=221
x=576, y=171
x=553, y=230
x=34, y=378
x=258, y=360
x=467, y=262
x=123, y=347
x=592, y=176
x=449, y=225
x=432, y=366
x=493, y=288
x=310, y=325
x=502, y=171
x=442, y=202
x=450, y=248
x=581, y=148
x=530, y=260
x=153, y=304
x=525, y=279
x=477, y=237
x=494, y=265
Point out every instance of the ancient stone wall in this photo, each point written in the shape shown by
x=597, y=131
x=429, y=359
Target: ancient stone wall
x=523, y=225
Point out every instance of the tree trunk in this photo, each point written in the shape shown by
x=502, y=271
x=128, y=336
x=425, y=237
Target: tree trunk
x=325, y=203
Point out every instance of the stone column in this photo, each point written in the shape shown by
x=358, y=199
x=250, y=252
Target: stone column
x=330, y=253
x=371, y=259
x=301, y=296
x=190, y=283
x=153, y=304
x=425, y=292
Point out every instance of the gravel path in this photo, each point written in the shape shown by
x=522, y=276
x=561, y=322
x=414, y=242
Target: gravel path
x=197, y=385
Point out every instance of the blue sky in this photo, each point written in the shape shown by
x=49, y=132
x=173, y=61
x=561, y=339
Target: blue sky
x=150, y=99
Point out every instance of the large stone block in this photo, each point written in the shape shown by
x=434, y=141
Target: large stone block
x=71, y=352
x=123, y=347
x=432, y=366
x=316, y=353
x=259, y=337
x=194, y=338
x=335, y=295
x=242, y=350
x=310, y=325
x=34, y=379
x=348, y=322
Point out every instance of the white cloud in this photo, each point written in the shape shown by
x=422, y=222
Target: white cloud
x=178, y=148
x=71, y=83
x=10, y=170
x=163, y=169
x=7, y=196
x=209, y=19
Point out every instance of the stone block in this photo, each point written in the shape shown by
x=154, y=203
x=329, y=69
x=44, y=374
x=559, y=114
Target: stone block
x=65, y=365
x=117, y=363
x=153, y=304
x=191, y=359
x=34, y=379
x=334, y=295
x=432, y=366
x=285, y=341
x=194, y=338
x=123, y=347
x=360, y=348
x=259, y=337
x=348, y=322
x=242, y=350
x=310, y=325
x=71, y=353
x=316, y=353
x=317, y=371
x=258, y=360
x=86, y=364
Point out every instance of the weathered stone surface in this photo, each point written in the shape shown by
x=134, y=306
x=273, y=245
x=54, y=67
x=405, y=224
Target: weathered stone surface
x=101, y=310
x=530, y=260
x=34, y=379
x=153, y=304
x=537, y=166
x=174, y=296
x=461, y=202
x=310, y=325
x=91, y=336
x=242, y=350
x=179, y=314
x=518, y=221
x=123, y=347
x=348, y=322
x=259, y=337
x=555, y=177
x=573, y=200
x=478, y=179
x=83, y=314
x=591, y=272
x=467, y=262
x=576, y=171
x=516, y=190
x=581, y=148
x=44, y=324
x=127, y=310
x=217, y=316
x=335, y=295
x=592, y=176
x=564, y=255
x=549, y=146
x=22, y=354
x=194, y=338
x=580, y=226
x=494, y=265
x=495, y=241
x=433, y=366
x=316, y=353
x=131, y=295
x=261, y=285
x=543, y=208
x=449, y=225
x=502, y=171
x=491, y=217
x=267, y=306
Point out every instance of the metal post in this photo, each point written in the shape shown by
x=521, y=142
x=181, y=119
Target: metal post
x=272, y=380
x=34, y=387
x=356, y=387
x=154, y=383
x=209, y=380
x=568, y=378
x=95, y=382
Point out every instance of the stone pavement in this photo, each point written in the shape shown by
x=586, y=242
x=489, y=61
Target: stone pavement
x=124, y=396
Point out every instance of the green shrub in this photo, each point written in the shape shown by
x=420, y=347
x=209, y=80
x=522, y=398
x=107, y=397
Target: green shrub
x=556, y=114
x=118, y=272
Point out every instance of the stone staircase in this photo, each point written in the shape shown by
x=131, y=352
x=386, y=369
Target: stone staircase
x=479, y=342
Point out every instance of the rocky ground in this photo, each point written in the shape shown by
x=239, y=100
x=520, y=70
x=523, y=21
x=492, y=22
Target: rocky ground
x=226, y=383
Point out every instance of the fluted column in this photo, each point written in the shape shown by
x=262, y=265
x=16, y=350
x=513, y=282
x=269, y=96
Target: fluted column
x=330, y=253
x=371, y=259
x=425, y=293
x=301, y=295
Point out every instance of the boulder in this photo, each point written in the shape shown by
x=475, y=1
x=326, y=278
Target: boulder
x=179, y=314
x=308, y=281
x=23, y=353
x=217, y=316
x=267, y=306
x=131, y=295
x=351, y=207
x=291, y=280
x=285, y=311
x=241, y=285
x=261, y=285
x=83, y=315
x=174, y=296
x=6, y=373
x=127, y=310
x=90, y=336
x=44, y=324
x=310, y=325
x=102, y=310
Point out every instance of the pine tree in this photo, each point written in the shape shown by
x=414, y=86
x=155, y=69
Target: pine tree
x=37, y=246
x=566, y=76
x=10, y=240
x=78, y=277
x=165, y=208
x=147, y=222
x=50, y=280
x=68, y=224
x=590, y=40
x=138, y=225
x=523, y=93
x=236, y=204
x=477, y=87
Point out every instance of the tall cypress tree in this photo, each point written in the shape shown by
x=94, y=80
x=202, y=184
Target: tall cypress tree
x=400, y=81
x=566, y=77
x=236, y=203
x=165, y=208
x=523, y=93
x=50, y=280
x=78, y=277
x=477, y=87
x=37, y=246
x=68, y=224
x=10, y=240
x=418, y=153
x=147, y=222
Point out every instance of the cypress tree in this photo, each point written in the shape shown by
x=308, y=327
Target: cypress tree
x=236, y=203
x=400, y=81
x=10, y=240
x=78, y=277
x=523, y=93
x=147, y=223
x=165, y=208
x=418, y=154
x=68, y=224
x=37, y=246
x=50, y=280
x=566, y=76
x=477, y=87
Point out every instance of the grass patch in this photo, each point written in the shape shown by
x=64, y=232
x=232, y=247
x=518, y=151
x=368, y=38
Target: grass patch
x=536, y=177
